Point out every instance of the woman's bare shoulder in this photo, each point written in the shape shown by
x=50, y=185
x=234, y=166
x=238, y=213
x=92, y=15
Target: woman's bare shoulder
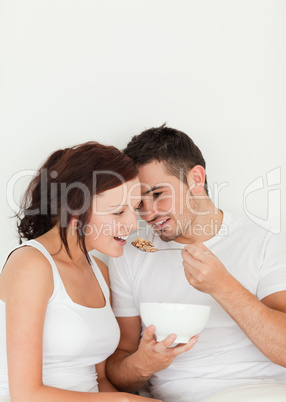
x=27, y=266
x=26, y=256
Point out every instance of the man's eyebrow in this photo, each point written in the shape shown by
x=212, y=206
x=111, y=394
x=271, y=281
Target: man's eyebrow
x=118, y=205
x=153, y=189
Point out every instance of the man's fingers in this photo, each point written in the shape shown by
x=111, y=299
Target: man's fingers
x=202, y=247
x=148, y=334
x=184, y=347
x=189, y=262
x=198, y=251
x=159, y=347
x=166, y=343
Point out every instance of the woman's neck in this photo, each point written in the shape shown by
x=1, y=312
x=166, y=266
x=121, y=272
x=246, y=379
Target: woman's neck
x=52, y=241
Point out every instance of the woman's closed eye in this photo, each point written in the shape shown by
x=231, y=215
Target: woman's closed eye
x=118, y=213
x=157, y=194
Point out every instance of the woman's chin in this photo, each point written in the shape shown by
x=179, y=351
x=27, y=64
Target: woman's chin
x=116, y=253
x=111, y=251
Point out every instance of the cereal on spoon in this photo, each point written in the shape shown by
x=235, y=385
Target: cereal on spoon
x=145, y=245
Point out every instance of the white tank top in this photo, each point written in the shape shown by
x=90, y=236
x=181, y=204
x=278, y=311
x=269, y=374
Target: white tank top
x=75, y=337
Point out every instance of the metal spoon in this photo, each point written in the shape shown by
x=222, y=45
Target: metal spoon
x=161, y=249
x=158, y=249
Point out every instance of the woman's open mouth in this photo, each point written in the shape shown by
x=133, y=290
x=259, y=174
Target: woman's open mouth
x=121, y=240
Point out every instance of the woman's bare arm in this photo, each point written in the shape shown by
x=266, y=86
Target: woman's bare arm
x=28, y=282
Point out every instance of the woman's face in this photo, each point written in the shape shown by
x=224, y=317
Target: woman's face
x=113, y=218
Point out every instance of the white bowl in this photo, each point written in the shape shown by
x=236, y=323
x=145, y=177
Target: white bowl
x=184, y=320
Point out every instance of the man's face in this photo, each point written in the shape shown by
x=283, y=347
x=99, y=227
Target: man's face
x=167, y=204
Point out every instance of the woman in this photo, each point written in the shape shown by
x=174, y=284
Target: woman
x=54, y=296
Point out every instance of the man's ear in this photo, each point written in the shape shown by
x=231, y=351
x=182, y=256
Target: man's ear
x=196, y=179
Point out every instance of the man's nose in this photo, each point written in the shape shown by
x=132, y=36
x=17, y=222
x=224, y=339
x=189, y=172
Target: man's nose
x=148, y=212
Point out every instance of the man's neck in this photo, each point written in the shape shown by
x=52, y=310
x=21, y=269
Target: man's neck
x=205, y=225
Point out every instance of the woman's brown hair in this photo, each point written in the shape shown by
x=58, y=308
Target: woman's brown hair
x=64, y=186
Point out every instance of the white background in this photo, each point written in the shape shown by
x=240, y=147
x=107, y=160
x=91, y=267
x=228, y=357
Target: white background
x=78, y=70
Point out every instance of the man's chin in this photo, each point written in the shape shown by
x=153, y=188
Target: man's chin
x=165, y=236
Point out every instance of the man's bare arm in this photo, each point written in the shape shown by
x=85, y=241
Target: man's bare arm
x=135, y=361
x=264, y=322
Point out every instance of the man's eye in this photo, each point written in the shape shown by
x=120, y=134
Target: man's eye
x=156, y=195
x=118, y=213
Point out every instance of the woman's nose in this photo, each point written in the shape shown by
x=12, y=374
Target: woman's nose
x=130, y=222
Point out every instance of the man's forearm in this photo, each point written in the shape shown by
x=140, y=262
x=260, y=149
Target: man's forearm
x=124, y=371
x=264, y=326
x=105, y=385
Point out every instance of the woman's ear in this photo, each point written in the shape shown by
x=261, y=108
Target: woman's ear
x=74, y=221
x=196, y=179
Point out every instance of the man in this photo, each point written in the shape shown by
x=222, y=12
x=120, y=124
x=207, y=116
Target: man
x=228, y=263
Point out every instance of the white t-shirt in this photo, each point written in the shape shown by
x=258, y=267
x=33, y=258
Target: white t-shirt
x=223, y=357
x=75, y=337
